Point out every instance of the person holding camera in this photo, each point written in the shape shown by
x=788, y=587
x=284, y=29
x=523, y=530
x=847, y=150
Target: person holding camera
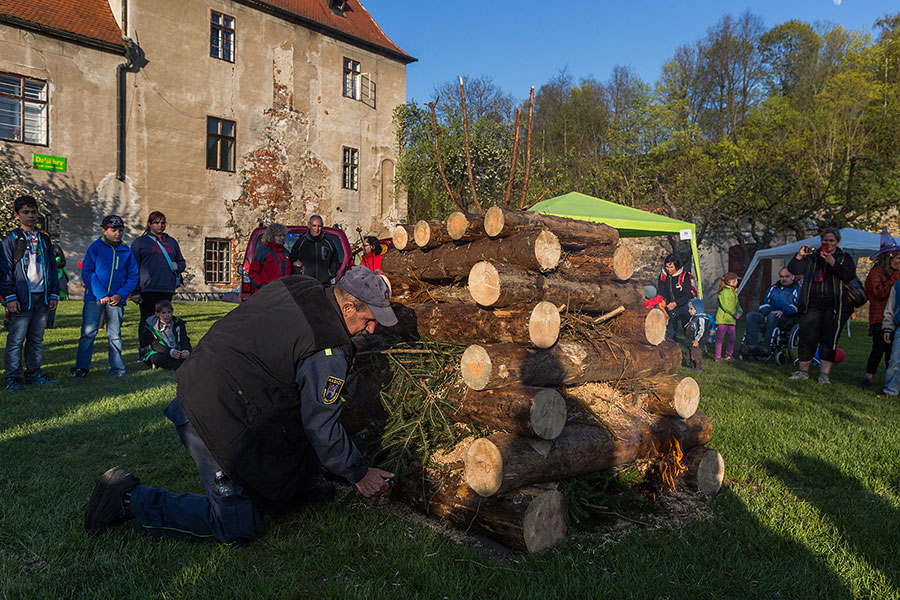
x=822, y=307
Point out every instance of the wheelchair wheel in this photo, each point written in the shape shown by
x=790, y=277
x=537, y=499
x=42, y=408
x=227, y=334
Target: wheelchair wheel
x=793, y=343
x=781, y=357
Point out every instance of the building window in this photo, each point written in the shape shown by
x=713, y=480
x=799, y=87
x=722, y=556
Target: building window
x=219, y=144
x=217, y=260
x=221, y=37
x=338, y=7
x=23, y=109
x=350, y=169
x=351, y=79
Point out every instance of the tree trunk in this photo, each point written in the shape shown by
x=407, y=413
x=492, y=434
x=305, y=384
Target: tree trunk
x=705, y=470
x=431, y=234
x=567, y=363
x=403, y=237
x=537, y=250
x=502, y=461
x=527, y=410
x=529, y=519
x=465, y=227
x=597, y=263
x=644, y=324
x=464, y=324
x=495, y=284
x=667, y=395
x=502, y=222
x=406, y=290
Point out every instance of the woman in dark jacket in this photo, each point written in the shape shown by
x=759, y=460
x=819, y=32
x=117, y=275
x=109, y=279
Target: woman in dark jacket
x=156, y=278
x=823, y=307
x=270, y=260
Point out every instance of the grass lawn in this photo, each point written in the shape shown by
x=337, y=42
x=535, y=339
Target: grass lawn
x=811, y=507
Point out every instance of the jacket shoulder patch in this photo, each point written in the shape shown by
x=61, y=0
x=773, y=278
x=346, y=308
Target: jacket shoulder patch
x=332, y=390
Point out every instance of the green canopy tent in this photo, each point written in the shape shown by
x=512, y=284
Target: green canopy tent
x=631, y=222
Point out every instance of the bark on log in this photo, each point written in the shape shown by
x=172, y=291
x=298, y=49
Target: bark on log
x=529, y=519
x=526, y=410
x=502, y=222
x=705, y=471
x=465, y=227
x=599, y=264
x=403, y=237
x=641, y=323
x=537, y=250
x=495, y=284
x=431, y=234
x=503, y=461
x=567, y=363
x=464, y=324
x=405, y=290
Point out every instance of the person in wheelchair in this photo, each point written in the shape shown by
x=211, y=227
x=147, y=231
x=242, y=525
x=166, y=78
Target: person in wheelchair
x=777, y=309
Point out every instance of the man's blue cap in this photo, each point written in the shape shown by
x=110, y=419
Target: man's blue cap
x=369, y=287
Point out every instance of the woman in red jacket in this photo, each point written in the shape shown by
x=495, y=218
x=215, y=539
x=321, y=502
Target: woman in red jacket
x=878, y=286
x=270, y=260
x=371, y=258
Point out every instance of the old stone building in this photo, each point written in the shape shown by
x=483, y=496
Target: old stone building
x=223, y=114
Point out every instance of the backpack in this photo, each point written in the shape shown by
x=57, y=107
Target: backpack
x=854, y=293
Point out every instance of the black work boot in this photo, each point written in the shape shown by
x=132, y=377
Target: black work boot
x=106, y=506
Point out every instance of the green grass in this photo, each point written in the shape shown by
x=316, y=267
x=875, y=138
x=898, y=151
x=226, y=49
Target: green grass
x=811, y=507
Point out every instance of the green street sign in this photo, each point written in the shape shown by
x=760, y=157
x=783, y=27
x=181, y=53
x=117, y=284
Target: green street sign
x=45, y=162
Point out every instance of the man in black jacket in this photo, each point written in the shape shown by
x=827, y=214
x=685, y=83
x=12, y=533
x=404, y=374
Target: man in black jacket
x=314, y=255
x=676, y=286
x=258, y=409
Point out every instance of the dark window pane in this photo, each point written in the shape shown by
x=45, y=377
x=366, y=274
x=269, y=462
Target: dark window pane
x=216, y=17
x=211, y=153
x=228, y=128
x=10, y=85
x=227, y=155
x=212, y=125
x=35, y=90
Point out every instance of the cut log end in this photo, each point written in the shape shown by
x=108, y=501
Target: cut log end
x=494, y=221
x=475, y=365
x=422, y=234
x=544, y=324
x=623, y=263
x=484, y=467
x=457, y=224
x=706, y=470
x=484, y=283
x=401, y=237
x=544, y=525
x=687, y=397
x=547, y=250
x=548, y=414
x=655, y=327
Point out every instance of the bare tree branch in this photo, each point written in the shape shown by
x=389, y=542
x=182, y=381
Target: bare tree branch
x=528, y=149
x=437, y=153
x=462, y=94
x=512, y=169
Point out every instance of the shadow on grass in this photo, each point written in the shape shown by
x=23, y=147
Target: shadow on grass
x=866, y=521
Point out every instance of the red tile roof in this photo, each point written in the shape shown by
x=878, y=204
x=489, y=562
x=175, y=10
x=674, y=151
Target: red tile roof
x=90, y=19
x=356, y=22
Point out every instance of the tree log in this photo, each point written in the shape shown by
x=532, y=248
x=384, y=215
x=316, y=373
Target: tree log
x=502, y=461
x=667, y=395
x=537, y=250
x=529, y=519
x=465, y=227
x=502, y=222
x=641, y=323
x=527, y=410
x=495, y=284
x=431, y=234
x=403, y=237
x=597, y=263
x=464, y=324
x=406, y=290
x=567, y=363
x=705, y=471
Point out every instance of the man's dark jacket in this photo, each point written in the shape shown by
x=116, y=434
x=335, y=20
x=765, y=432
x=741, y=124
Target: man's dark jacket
x=238, y=387
x=319, y=257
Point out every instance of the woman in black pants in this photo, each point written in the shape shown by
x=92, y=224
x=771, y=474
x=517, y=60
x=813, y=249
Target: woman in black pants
x=157, y=271
x=822, y=308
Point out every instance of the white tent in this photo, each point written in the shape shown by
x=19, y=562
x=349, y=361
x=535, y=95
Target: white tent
x=854, y=242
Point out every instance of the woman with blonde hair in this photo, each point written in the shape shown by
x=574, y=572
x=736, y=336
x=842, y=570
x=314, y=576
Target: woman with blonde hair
x=270, y=260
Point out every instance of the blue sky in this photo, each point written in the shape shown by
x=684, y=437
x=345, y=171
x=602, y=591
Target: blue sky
x=526, y=42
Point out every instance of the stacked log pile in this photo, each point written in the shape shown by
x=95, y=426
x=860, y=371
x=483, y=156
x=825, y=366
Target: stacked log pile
x=563, y=366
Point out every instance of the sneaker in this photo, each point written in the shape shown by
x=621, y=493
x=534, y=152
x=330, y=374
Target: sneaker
x=14, y=385
x=885, y=396
x=696, y=370
x=42, y=379
x=729, y=358
x=106, y=507
x=799, y=375
x=865, y=383
x=823, y=379
x=78, y=373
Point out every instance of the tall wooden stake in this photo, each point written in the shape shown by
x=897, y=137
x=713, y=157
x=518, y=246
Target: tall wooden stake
x=512, y=169
x=462, y=94
x=528, y=149
x=437, y=153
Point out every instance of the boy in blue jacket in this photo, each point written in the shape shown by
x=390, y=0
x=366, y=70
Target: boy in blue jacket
x=30, y=288
x=109, y=274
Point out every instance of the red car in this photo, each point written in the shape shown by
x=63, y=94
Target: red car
x=294, y=232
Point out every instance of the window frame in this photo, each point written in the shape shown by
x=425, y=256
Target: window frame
x=221, y=29
x=353, y=75
x=350, y=168
x=24, y=100
x=219, y=137
x=217, y=246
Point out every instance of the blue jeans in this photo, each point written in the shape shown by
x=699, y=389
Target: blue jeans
x=223, y=514
x=90, y=323
x=755, y=322
x=26, y=327
x=892, y=377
